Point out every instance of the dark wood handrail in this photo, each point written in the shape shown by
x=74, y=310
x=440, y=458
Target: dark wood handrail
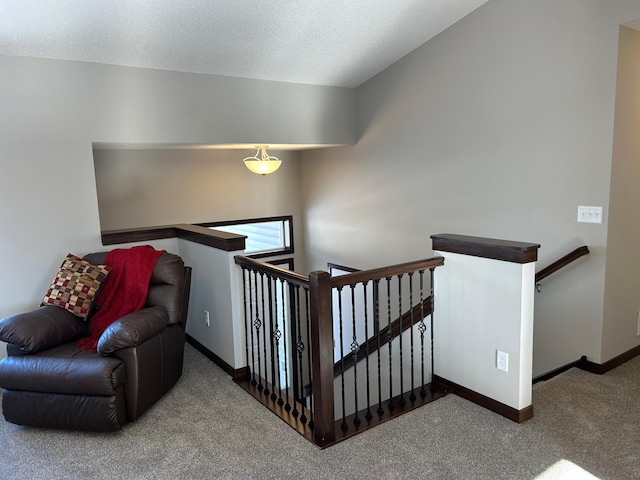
x=383, y=272
x=562, y=262
x=331, y=266
x=274, y=270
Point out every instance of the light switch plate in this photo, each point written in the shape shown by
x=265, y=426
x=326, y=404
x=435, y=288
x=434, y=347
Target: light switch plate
x=589, y=214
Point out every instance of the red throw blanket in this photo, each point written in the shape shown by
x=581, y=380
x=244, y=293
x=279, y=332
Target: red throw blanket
x=125, y=290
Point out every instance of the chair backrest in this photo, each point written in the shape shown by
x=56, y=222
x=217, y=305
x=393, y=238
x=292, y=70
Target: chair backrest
x=169, y=285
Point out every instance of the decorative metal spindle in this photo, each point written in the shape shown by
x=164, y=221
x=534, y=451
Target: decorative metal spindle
x=256, y=324
x=402, y=401
x=271, y=339
x=344, y=425
x=264, y=338
x=292, y=354
x=376, y=326
x=299, y=385
x=277, y=335
x=422, y=328
x=367, y=415
x=287, y=405
x=310, y=406
x=248, y=316
x=390, y=405
x=354, y=350
x=433, y=383
x=412, y=397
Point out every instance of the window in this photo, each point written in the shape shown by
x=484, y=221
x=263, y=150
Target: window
x=265, y=236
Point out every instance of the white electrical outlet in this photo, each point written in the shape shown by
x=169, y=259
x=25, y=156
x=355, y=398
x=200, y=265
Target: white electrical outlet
x=206, y=318
x=638, y=327
x=502, y=361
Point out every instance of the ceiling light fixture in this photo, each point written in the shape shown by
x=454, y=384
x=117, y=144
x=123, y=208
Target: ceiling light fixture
x=264, y=164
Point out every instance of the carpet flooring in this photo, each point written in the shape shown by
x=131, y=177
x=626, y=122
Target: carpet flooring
x=585, y=426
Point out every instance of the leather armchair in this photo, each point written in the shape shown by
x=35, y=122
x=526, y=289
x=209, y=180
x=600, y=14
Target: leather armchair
x=48, y=381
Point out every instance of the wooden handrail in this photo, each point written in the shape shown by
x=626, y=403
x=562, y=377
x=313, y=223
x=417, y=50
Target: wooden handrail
x=562, y=262
x=274, y=270
x=383, y=272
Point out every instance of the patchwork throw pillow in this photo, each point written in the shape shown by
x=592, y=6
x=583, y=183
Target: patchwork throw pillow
x=76, y=285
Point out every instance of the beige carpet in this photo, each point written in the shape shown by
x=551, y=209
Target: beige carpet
x=585, y=426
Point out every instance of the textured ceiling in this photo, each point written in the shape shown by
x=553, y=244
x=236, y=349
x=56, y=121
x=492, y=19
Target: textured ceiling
x=322, y=42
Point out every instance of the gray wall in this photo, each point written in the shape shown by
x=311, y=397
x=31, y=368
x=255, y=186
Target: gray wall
x=622, y=288
x=500, y=127
x=52, y=111
x=139, y=188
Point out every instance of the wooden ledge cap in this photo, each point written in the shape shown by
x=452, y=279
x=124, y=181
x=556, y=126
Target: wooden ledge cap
x=506, y=250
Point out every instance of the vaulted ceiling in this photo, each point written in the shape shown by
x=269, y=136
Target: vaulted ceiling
x=321, y=42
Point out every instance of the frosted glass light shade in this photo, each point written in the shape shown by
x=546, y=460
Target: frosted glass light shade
x=262, y=167
x=264, y=164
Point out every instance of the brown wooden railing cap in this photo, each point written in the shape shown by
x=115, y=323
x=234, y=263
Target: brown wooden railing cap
x=389, y=271
x=273, y=270
x=506, y=250
x=229, y=242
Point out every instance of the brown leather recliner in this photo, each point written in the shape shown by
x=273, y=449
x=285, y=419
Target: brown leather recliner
x=48, y=381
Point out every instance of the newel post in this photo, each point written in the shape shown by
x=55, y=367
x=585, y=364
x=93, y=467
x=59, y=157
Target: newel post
x=322, y=357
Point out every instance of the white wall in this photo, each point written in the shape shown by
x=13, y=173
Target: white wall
x=622, y=288
x=53, y=110
x=498, y=127
x=482, y=306
x=216, y=288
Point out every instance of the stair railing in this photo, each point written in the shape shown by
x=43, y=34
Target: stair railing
x=291, y=323
x=559, y=264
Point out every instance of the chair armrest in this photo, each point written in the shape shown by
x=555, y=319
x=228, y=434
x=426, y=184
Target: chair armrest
x=133, y=329
x=42, y=328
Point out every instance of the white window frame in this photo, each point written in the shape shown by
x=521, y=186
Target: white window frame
x=276, y=233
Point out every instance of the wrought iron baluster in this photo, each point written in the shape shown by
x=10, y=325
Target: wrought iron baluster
x=264, y=339
x=344, y=425
x=310, y=406
x=252, y=326
x=287, y=405
x=367, y=415
x=412, y=397
x=422, y=328
x=277, y=335
x=376, y=293
x=258, y=323
x=402, y=401
x=270, y=281
x=390, y=405
x=248, y=316
x=354, y=351
x=299, y=383
x=433, y=383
